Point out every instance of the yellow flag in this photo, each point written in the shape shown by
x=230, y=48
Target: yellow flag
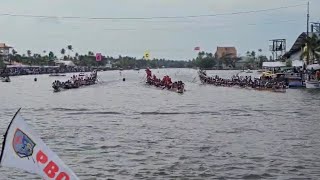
x=146, y=55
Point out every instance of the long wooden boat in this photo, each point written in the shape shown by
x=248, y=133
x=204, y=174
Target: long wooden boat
x=74, y=84
x=281, y=89
x=54, y=75
x=179, y=90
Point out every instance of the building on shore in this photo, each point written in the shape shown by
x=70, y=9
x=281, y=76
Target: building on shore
x=229, y=52
x=4, y=52
x=298, y=47
x=227, y=57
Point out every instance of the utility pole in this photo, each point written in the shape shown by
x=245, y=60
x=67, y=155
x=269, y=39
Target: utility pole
x=308, y=17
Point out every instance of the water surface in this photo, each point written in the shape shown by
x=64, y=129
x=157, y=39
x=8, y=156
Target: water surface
x=127, y=130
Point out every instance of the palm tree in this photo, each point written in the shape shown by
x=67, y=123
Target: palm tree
x=253, y=54
x=14, y=52
x=69, y=47
x=76, y=56
x=248, y=53
x=29, y=53
x=260, y=51
x=201, y=54
x=312, y=49
x=63, y=51
x=90, y=53
x=51, y=55
x=51, y=58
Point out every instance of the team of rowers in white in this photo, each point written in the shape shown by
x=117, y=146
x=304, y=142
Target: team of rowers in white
x=247, y=81
x=76, y=81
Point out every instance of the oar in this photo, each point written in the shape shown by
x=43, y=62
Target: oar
x=143, y=78
x=193, y=79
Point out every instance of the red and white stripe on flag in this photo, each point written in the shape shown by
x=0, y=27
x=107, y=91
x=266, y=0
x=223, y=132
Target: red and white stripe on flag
x=98, y=57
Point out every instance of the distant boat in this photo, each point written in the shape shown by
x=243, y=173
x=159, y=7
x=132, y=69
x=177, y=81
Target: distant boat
x=248, y=71
x=312, y=84
x=312, y=81
x=137, y=69
x=57, y=74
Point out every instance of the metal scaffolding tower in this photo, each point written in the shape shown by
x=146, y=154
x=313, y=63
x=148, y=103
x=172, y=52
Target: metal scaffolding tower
x=278, y=48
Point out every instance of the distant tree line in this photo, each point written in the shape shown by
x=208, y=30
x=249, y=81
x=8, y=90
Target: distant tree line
x=203, y=60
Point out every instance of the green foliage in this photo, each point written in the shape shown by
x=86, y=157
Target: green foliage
x=2, y=65
x=63, y=51
x=205, y=60
x=261, y=59
x=70, y=47
x=313, y=46
x=288, y=63
x=29, y=53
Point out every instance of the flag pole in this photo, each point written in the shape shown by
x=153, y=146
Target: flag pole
x=5, y=135
x=308, y=17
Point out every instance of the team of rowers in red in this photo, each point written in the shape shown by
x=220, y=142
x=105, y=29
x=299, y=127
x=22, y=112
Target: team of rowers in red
x=166, y=82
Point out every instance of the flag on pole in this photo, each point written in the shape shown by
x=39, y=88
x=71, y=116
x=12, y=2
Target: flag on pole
x=98, y=57
x=146, y=55
x=23, y=149
x=197, y=48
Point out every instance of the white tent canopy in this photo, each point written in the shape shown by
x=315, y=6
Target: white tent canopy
x=67, y=63
x=313, y=66
x=297, y=63
x=273, y=64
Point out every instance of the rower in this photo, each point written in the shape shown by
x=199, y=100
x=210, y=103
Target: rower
x=149, y=74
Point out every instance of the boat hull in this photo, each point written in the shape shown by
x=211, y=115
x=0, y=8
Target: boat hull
x=312, y=84
x=180, y=91
x=55, y=75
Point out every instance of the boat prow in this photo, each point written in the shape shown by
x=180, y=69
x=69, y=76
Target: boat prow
x=6, y=79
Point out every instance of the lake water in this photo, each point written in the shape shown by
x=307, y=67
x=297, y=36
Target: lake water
x=127, y=130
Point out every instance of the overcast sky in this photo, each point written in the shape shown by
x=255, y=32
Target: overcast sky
x=164, y=38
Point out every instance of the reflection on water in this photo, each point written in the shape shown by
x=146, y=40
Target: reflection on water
x=127, y=130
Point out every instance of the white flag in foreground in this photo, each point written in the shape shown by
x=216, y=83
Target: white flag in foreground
x=23, y=149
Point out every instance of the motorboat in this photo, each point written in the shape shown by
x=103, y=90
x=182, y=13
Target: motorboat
x=313, y=81
x=312, y=84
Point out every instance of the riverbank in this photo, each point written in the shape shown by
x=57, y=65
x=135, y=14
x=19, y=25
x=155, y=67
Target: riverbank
x=33, y=70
